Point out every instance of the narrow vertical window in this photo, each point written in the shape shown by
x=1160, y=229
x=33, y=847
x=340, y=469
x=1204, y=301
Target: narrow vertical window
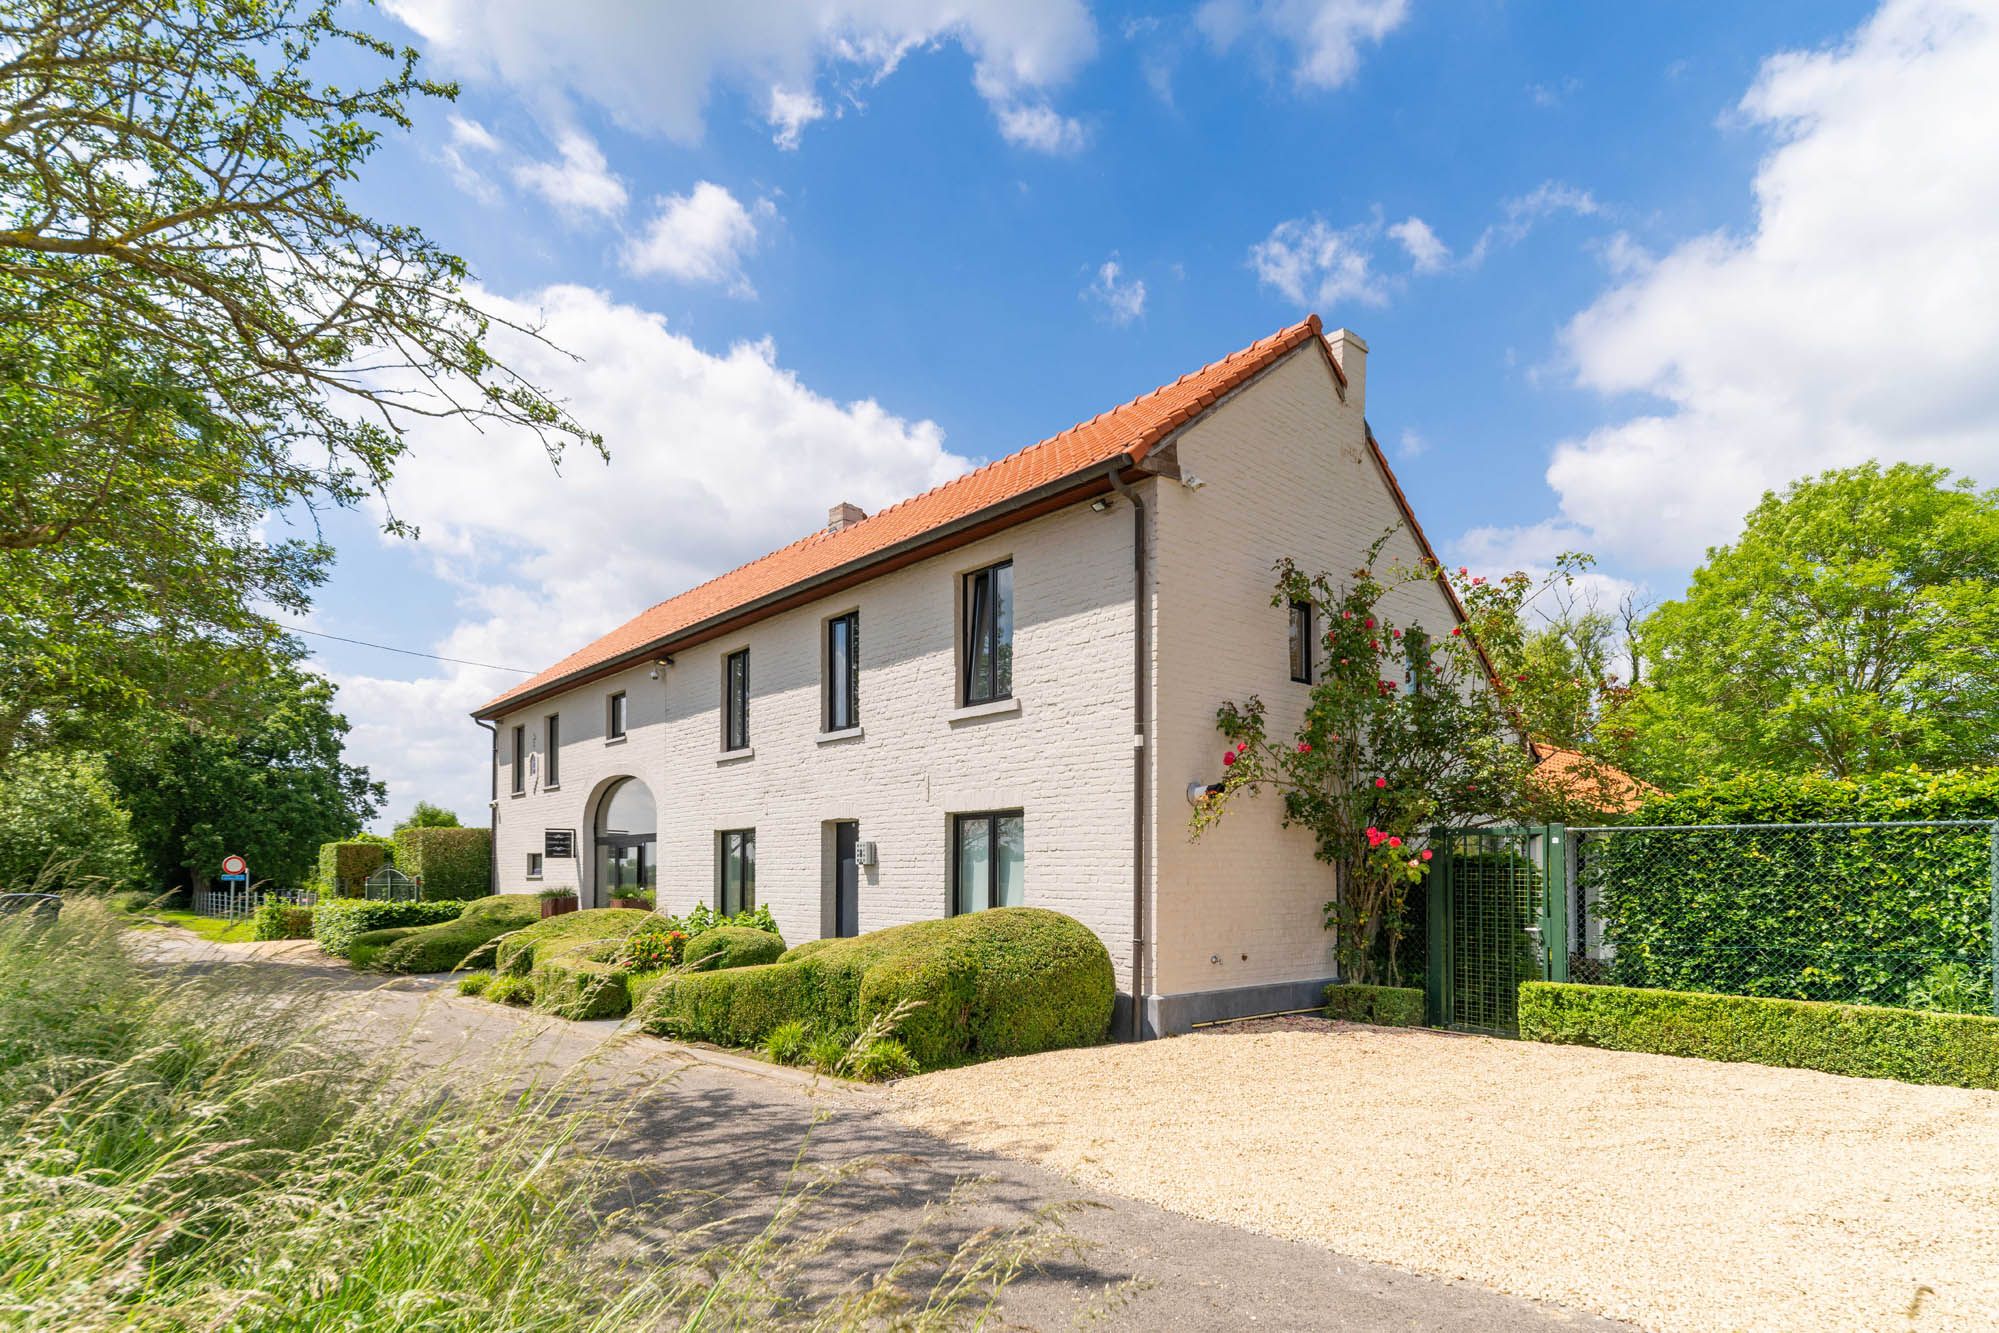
x=843, y=672
x=551, y=755
x=1416, y=647
x=520, y=764
x=614, y=716
x=988, y=648
x=989, y=861
x=737, y=888
x=1301, y=642
x=736, y=702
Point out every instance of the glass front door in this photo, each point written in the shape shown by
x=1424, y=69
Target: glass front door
x=626, y=868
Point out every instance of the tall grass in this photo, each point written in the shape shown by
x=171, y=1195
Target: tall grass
x=201, y=1152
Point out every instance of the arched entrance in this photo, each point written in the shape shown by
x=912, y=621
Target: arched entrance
x=627, y=838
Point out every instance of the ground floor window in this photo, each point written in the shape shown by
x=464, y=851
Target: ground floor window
x=989, y=860
x=534, y=865
x=738, y=888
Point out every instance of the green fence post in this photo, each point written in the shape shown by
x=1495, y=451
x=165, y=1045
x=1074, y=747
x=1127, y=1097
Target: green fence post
x=1555, y=903
x=1437, y=935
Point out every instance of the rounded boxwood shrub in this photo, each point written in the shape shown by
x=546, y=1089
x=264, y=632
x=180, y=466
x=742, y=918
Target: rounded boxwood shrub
x=1010, y=981
x=517, y=952
x=337, y=921
x=732, y=946
x=449, y=945
x=582, y=981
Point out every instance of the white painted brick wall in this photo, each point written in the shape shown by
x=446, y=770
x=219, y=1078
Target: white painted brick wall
x=1065, y=758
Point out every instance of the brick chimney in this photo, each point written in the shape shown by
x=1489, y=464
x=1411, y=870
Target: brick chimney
x=1351, y=355
x=844, y=515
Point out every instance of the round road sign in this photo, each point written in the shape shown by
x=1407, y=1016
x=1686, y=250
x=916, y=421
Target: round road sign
x=233, y=865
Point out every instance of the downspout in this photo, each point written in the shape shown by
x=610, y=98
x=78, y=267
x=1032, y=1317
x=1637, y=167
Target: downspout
x=492, y=809
x=1141, y=678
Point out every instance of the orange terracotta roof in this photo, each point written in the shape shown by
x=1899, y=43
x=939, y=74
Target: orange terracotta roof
x=1573, y=774
x=1128, y=431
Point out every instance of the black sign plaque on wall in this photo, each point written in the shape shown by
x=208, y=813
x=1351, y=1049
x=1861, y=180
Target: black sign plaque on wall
x=558, y=844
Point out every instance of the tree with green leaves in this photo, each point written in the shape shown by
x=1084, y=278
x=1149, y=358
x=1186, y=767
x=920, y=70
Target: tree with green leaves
x=1853, y=627
x=1405, y=731
x=197, y=331
x=272, y=790
x=426, y=815
x=64, y=827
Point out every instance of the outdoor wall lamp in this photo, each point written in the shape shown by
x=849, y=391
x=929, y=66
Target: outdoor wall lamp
x=1198, y=792
x=1101, y=504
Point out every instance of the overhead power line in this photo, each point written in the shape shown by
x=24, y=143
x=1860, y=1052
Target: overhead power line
x=406, y=652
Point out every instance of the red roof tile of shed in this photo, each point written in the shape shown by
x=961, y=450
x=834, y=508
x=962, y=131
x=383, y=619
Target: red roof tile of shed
x=1132, y=429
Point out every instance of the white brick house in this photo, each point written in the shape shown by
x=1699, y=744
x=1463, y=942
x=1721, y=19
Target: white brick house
x=1041, y=647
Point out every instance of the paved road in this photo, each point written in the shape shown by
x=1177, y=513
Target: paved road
x=728, y=1132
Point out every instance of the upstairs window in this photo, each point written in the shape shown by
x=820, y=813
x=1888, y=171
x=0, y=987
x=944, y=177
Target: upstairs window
x=614, y=716
x=988, y=648
x=737, y=873
x=520, y=760
x=736, y=701
x=551, y=754
x=843, y=672
x=1301, y=642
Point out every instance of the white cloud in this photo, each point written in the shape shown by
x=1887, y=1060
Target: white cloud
x=1121, y=298
x=699, y=237
x=1038, y=126
x=1426, y=252
x=1411, y=444
x=790, y=112
x=1313, y=264
x=1324, y=36
x=469, y=137
x=715, y=459
x=1858, y=318
x=578, y=182
x=655, y=66
x=1522, y=212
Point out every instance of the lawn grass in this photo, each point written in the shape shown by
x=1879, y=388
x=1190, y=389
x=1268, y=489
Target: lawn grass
x=208, y=927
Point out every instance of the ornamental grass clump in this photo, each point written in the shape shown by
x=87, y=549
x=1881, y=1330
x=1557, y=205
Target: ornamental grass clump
x=211, y=1150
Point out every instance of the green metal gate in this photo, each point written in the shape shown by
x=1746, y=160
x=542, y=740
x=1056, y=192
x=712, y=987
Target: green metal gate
x=1496, y=915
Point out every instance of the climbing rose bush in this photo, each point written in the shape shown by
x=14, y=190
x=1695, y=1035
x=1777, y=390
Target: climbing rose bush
x=1405, y=732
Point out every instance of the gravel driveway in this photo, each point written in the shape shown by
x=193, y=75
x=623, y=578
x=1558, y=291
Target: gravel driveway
x=1676, y=1194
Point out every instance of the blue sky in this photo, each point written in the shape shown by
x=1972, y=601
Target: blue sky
x=1620, y=267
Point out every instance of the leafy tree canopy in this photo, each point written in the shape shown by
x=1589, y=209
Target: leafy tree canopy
x=1852, y=628
x=62, y=826
x=427, y=815
x=197, y=331
x=272, y=791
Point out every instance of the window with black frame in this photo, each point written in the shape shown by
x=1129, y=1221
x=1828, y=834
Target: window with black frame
x=988, y=647
x=843, y=672
x=736, y=701
x=614, y=716
x=520, y=760
x=737, y=881
x=1301, y=642
x=988, y=861
x=551, y=758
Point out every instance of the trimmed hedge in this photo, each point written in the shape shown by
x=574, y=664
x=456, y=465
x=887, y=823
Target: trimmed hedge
x=344, y=865
x=337, y=921
x=517, y=953
x=449, y=945
x=452, y=863
x=275, y=920
x=731, y=946
x=370, y=944
x=583, y=981
x=1009, y=981
x=1913, y=1045
x=1389, y=1006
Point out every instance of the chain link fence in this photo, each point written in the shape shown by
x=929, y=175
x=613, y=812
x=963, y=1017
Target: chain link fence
x=1884, y=913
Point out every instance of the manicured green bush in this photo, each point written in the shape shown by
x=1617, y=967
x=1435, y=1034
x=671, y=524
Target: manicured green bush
x=460, y=941
x=344, y=866
x=1004, y=982
x=517, y=953
x=1860, y=1040
x=582, y=981
x=1856, y=916
x=452, y=863
x=337, y=921
x=1389, y=1006
x=369, y=944
x=732, y=946
x=276, y=920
